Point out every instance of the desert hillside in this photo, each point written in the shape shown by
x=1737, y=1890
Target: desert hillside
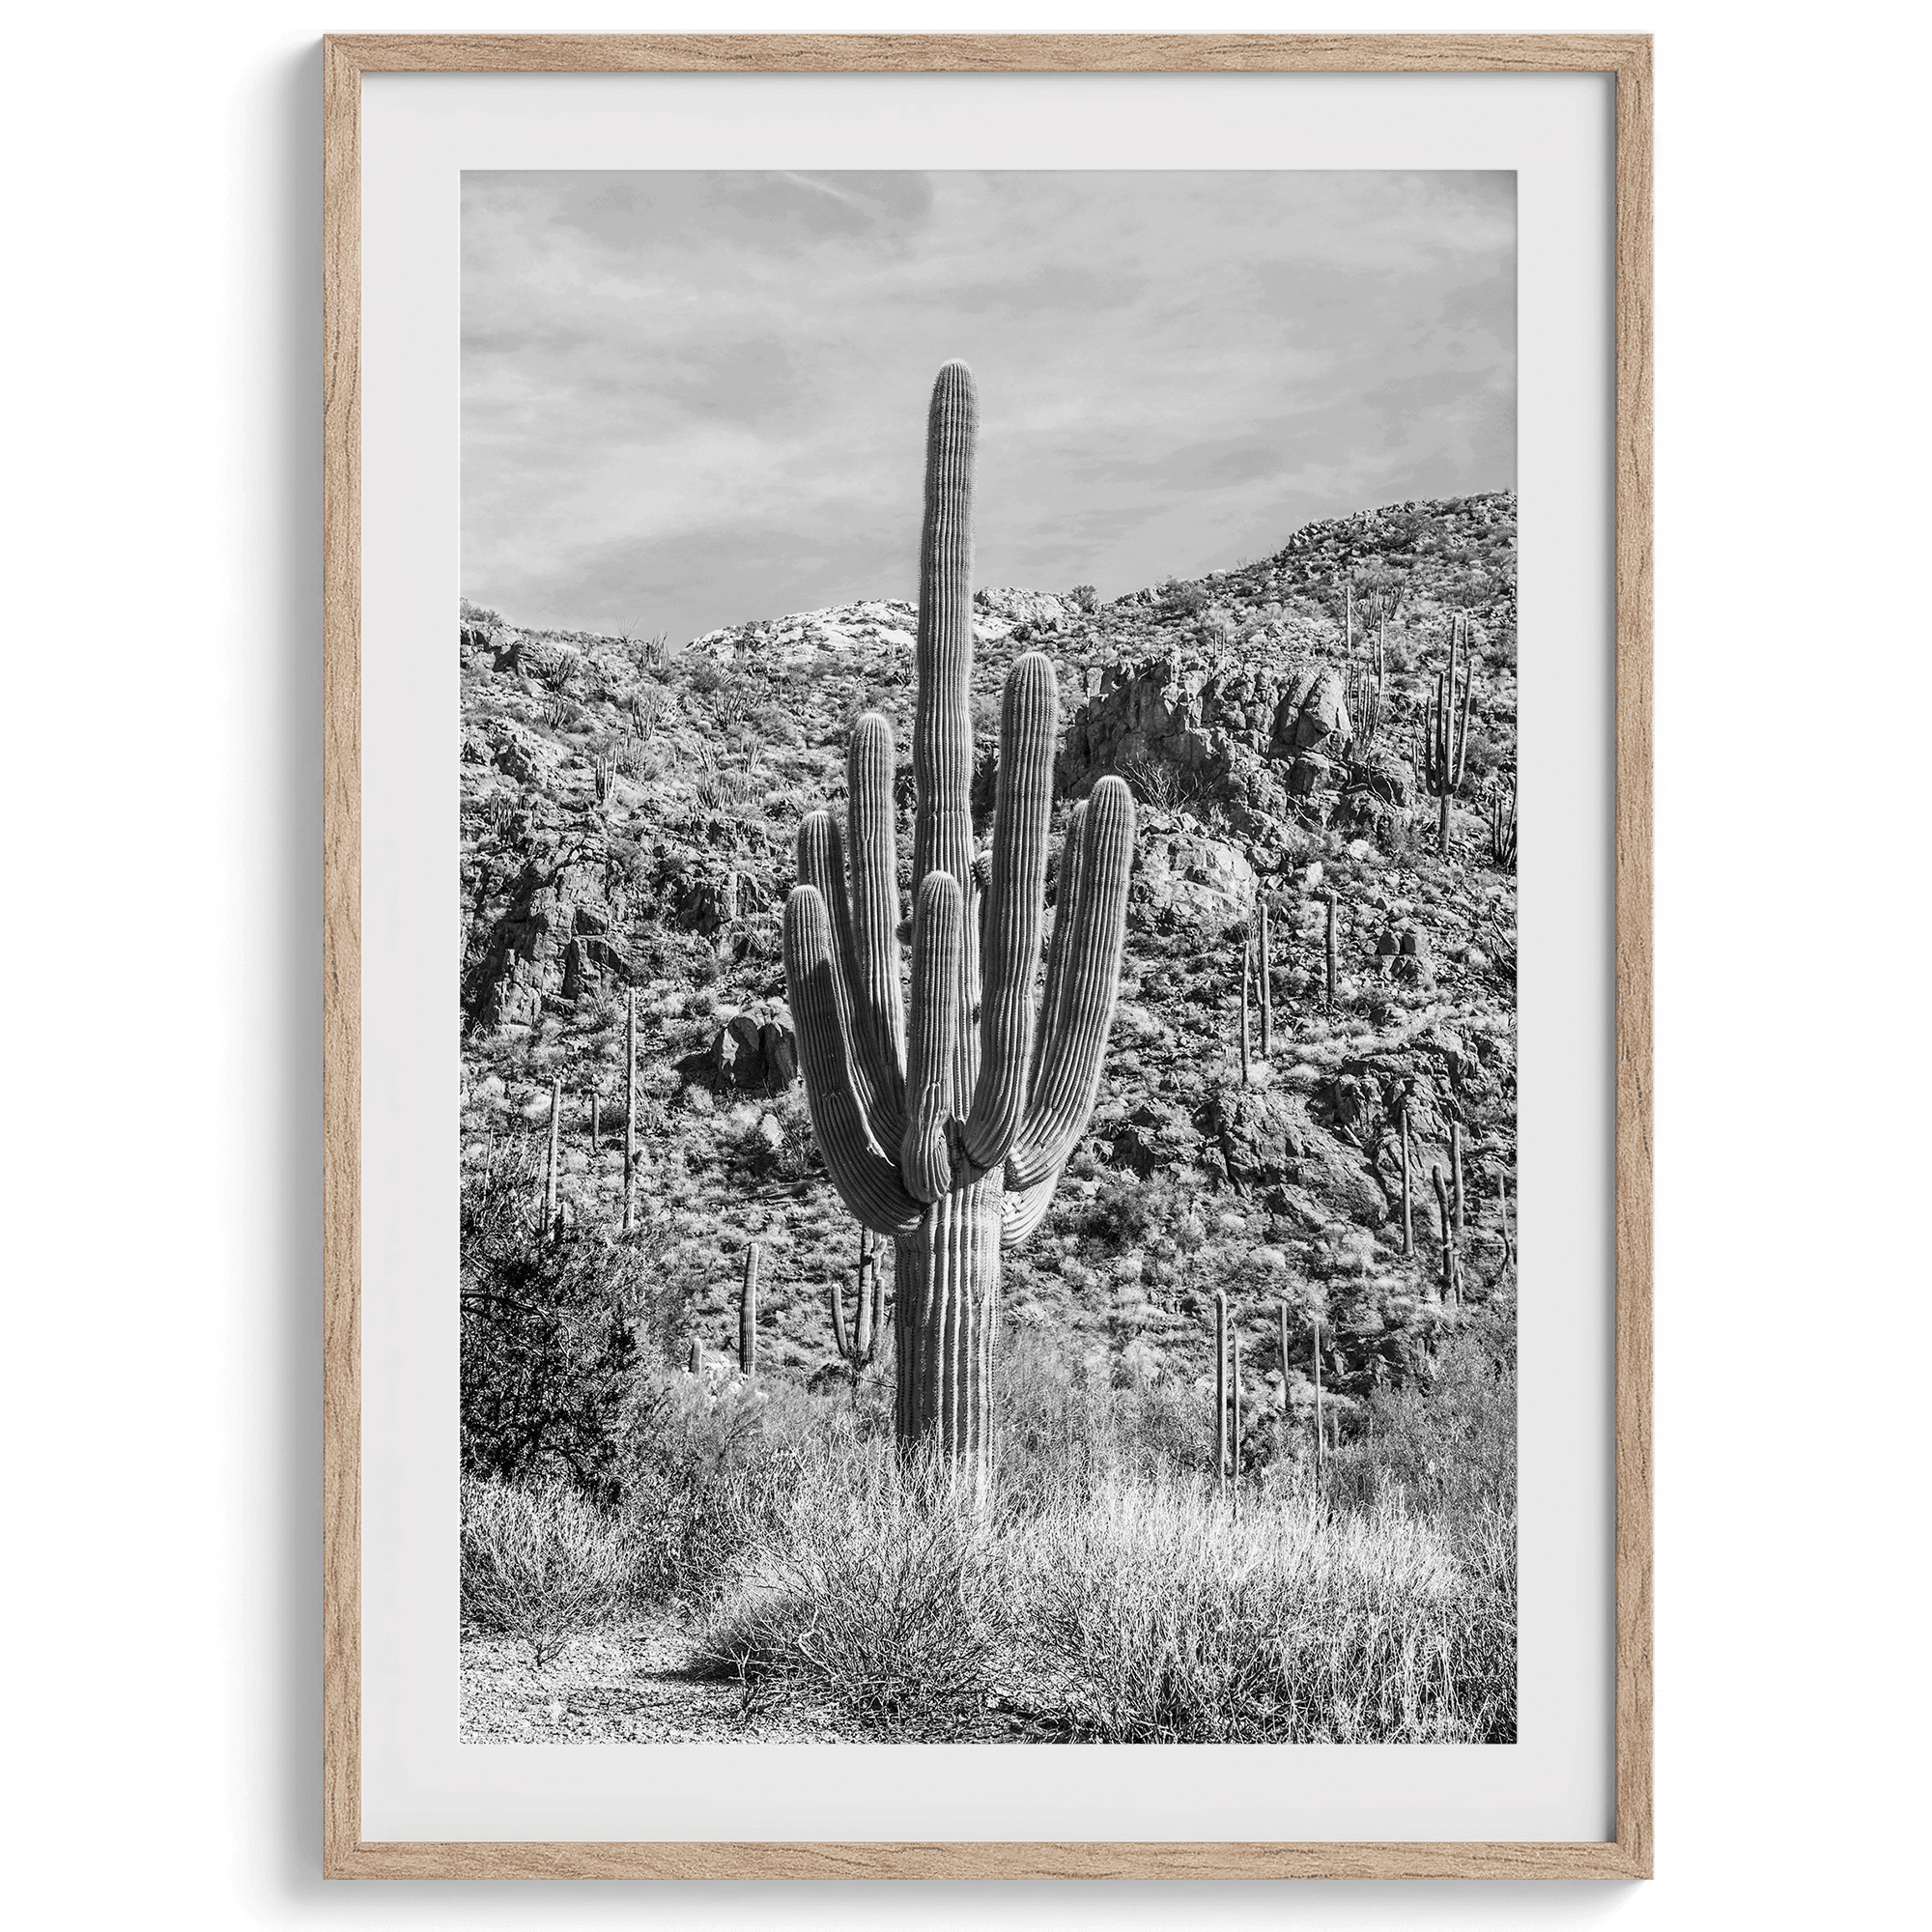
x=628, y=811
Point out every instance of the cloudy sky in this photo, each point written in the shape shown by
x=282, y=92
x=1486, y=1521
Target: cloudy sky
x=691, y=399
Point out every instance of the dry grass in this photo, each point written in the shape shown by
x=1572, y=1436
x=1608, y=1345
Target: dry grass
x=1149, y=1614
x=539, y=1563
x=1106, y=1594
x=1135, y=1611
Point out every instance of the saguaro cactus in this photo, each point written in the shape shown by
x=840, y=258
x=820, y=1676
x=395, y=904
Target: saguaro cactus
x=1330, y=947
x=945, y=1123
x=747, y=1313
x=1234, y=1416
x=1267, y=990
x=1320, y=1436
x=1247, y=979
x=1408, y=1199
x=553, y=1218
x=1502, y=824
x=1452, y=1271
x=1221, y=1390
x=631, y=1110
x=1445, y=733
x=858, y=1343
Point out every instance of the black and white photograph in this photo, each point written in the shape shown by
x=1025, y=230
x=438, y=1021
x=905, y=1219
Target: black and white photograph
x=988, y=1137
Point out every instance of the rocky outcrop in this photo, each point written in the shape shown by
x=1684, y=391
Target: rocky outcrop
x=755, y=1051
x=554, y=942
x=1263, y=1140
x=1182, y=871
x=1313, y=713
x=1151, y=1136
x=1204, y=723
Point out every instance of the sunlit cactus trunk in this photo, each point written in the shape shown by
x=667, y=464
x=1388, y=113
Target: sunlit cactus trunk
x=945, y=1120
x=948, y=1292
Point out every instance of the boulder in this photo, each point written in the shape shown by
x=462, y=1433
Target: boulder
x=1266, y=1140
x=1313, y=711
x=1202, y=720
x=1187, y=872
x=1311, y=773
x=529, y=955
x=1386, y=776
x=1153, y=1135
x=753, y=1050
x=590, y=960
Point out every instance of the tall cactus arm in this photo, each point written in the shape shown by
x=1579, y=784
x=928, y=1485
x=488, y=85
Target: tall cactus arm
x=1023, y=1210
x=821, y=866
x=942, y=744
x=867, y=1181
x=938, y=936
x=840, y=1339
x=1069, y=1066
x=870, y=766
x=1022, y=818
x=1066, y=900
x=1463, y=726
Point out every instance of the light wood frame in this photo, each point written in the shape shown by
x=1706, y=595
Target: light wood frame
x=346, y=59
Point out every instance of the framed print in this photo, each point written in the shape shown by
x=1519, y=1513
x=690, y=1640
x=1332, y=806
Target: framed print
x=955, y=1123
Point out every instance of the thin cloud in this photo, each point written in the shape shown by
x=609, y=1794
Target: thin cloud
x=694, y=398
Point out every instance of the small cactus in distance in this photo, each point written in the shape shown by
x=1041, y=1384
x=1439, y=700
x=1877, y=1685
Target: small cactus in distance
x=1320, y=1434
x=1445, y=737
x=1407, y=1201
x=1266, y=969
x=1364, y=701
x=1235, y=1414
x=748, y=1314
x=1502, y=823
x=1331, y=950
x=1452, y=1273
x=1247, y=977
x=553, y=1217
x=630, y=1109
x=1221, y=1390
x=858, y=1342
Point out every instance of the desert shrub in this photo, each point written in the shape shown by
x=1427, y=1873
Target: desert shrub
x=550, y=1336
x=1447, y=1444
x=1484, y=756
x=1122, y=1604
x=1152, y=1616
x=870, y=1593
x=1158, y=783
x=790, y=1157
x=1066, y=1423
x=539, y=1563
x=1085, y=596
x=1131, y=1209
x=681, y=1503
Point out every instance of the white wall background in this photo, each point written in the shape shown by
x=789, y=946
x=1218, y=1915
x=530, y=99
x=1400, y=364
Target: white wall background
x=162, y=821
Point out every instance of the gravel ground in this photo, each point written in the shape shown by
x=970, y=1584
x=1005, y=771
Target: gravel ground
x=632, y=1684
x=628, y=1685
